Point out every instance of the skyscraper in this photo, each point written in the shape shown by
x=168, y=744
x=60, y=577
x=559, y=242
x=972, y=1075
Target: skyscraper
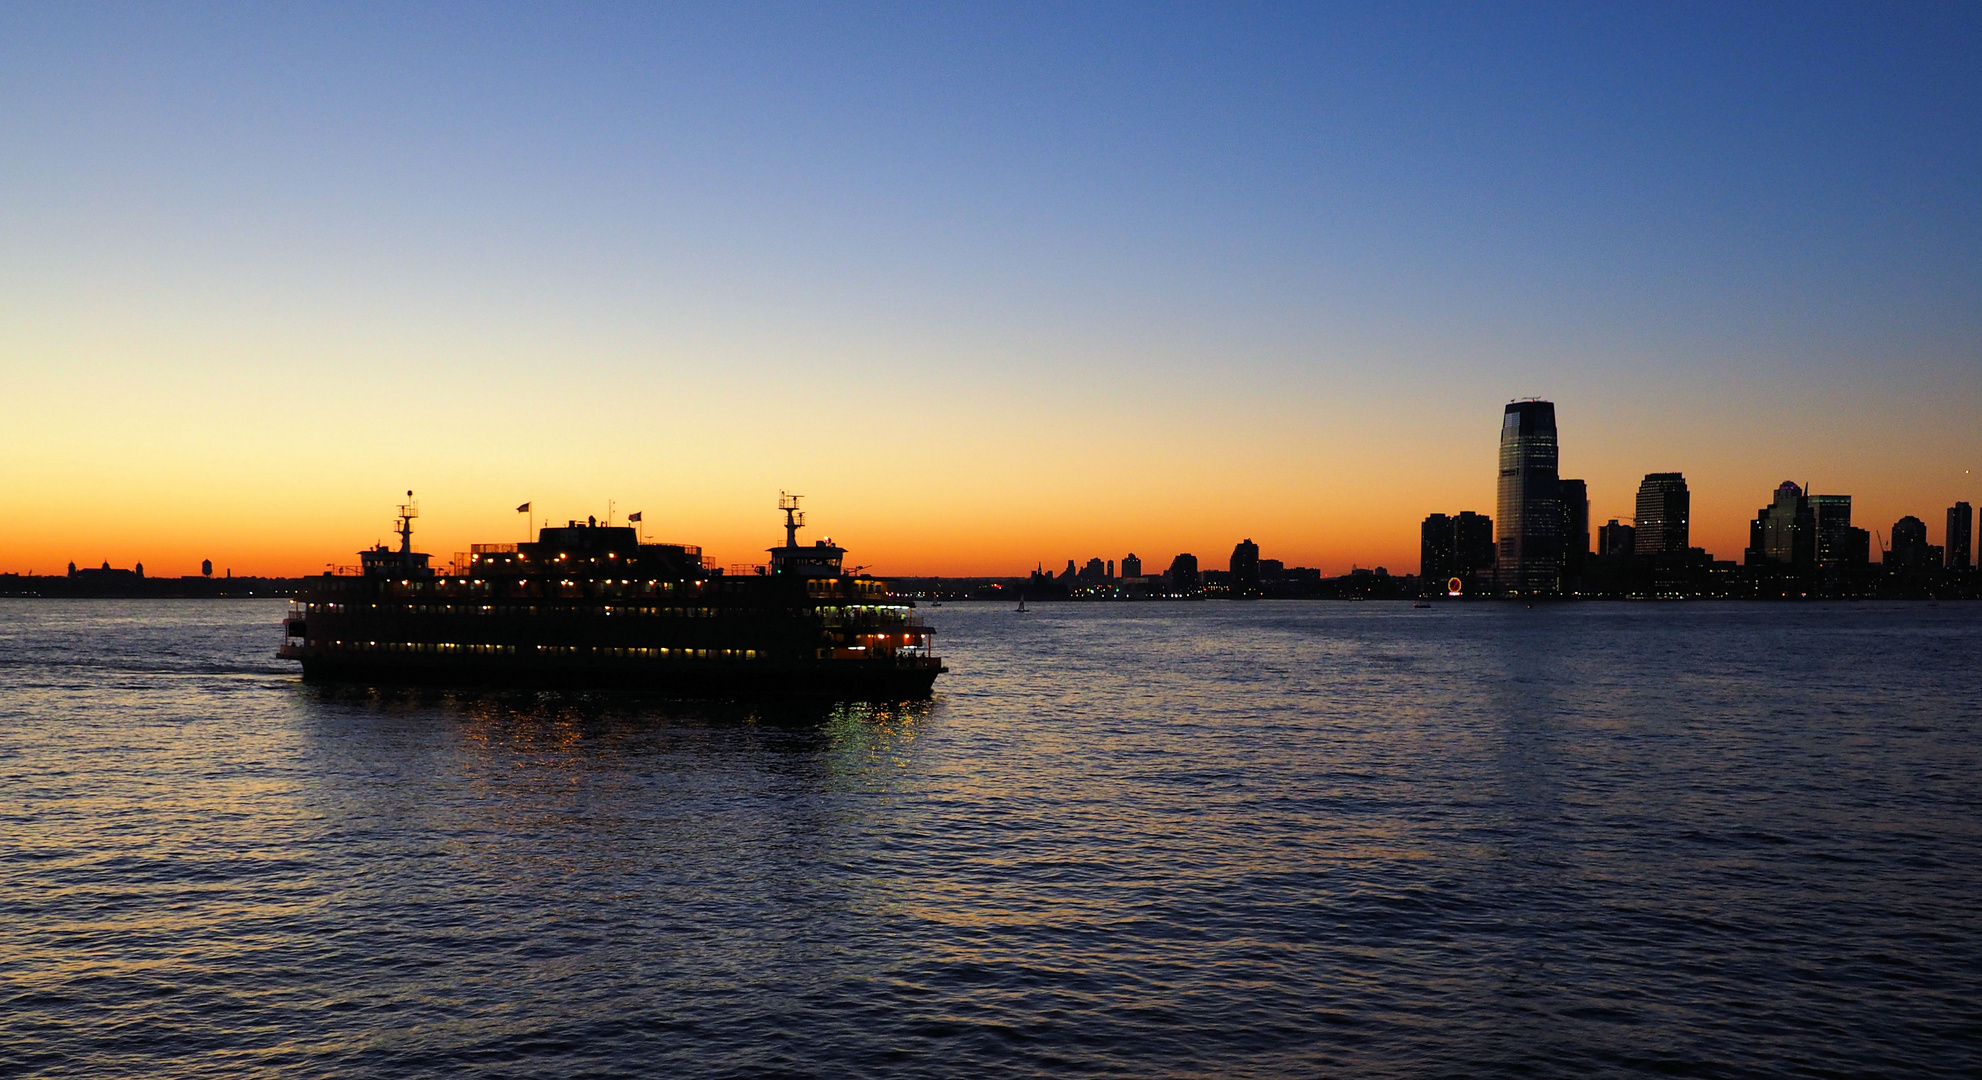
x=1665, y=508
x=1472, y=547
x=1910, y=547
x=1574, y=498
x=1831, y=515
x=1436, y=561
x=1961, y=528
x=1131, y=566
x=1785, y=531
x=1183, y=575
x=1529, y=506
x=1245, y=569
x=1454, y=547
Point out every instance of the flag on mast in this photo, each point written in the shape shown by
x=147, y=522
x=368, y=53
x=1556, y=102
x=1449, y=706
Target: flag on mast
x=633, y=517
x=524, y=509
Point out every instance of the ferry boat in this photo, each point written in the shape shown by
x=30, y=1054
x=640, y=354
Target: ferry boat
x=594, y=606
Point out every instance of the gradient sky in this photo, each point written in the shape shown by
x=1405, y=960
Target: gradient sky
x=991, y=285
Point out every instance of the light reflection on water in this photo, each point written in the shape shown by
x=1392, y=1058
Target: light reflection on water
x=1149, y=839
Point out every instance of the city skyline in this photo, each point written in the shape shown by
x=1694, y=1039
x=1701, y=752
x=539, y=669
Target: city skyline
x=1804, y=528
x=990, y=285
x=1798, y=528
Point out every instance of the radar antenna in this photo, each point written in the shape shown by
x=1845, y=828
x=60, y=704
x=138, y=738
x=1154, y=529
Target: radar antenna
x=794, y=517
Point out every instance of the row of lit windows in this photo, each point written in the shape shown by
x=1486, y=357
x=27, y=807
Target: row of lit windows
x=832, y=615
x=883, y=640
x=566, y=587
x=594, y=651
x=831, y=587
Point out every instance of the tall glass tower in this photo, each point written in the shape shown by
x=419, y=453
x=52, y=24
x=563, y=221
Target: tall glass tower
x=1529, y=506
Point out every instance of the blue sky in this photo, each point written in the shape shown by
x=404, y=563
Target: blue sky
x=1277, y=255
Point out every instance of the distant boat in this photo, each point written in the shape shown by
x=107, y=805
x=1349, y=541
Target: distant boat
x=1021, y=605
x=1421, y=603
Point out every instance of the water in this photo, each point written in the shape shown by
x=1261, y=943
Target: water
x=1150, y=840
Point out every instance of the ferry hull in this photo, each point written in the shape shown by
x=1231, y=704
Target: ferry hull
x=839, y=681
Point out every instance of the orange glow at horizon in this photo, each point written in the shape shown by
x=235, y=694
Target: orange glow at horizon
x=290, y=478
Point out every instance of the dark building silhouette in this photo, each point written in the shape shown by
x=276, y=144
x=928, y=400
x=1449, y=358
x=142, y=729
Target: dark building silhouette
x=1042, y=585
x=1455, y=547
x=1910, y=547
x=1574, y=498
x=1616, y=541
x=1472, y=545
x=1437, y=561
x=1830, y=516
x=1183, y=575
x=1529, y=501
x=1245, y=570
x=1785, y=531
x=1131, y=566
x=1857, y=548
x=1961, y=527
x=1665, y=511
x=206, y=567
x=105, y=579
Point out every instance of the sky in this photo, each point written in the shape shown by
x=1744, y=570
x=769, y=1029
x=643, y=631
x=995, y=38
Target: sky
x=991, y=285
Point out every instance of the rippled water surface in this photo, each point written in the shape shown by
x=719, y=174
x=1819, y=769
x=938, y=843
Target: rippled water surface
x=1155, y=840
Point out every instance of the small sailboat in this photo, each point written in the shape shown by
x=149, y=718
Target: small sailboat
x=1021, y=605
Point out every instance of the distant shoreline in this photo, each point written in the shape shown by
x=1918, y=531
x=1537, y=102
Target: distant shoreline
x=65, y=587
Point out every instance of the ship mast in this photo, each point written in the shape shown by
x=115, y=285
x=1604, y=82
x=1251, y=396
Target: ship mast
x=407, y=512
x=794, y=517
